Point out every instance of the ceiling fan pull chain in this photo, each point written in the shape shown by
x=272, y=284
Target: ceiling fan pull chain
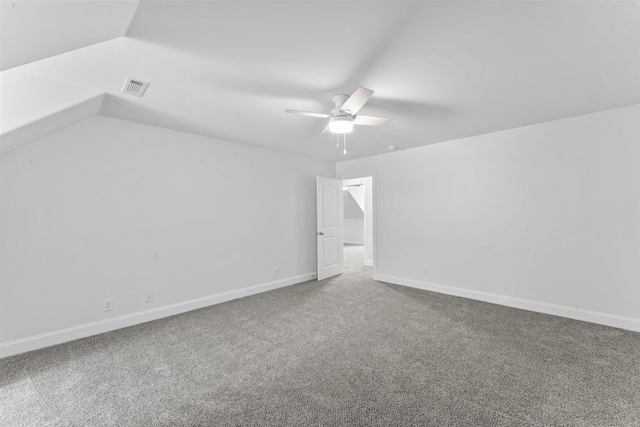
x=345, y=143
x=337, y=141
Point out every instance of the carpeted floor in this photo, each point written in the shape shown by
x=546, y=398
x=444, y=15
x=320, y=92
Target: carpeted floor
x=346, y=351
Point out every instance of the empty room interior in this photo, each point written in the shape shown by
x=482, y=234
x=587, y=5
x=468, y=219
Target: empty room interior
x=319, y=213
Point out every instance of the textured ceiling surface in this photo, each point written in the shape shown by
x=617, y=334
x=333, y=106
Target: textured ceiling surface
x=441, y=70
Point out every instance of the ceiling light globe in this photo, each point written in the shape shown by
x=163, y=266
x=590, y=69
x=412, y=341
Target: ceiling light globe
x=341, y=124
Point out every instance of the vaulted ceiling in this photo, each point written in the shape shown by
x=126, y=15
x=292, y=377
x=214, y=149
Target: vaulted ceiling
x=229, y=69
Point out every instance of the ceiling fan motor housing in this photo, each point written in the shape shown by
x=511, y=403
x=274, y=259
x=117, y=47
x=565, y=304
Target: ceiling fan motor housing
x=341, y=122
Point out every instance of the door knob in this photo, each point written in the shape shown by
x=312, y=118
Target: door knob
x=319, y=233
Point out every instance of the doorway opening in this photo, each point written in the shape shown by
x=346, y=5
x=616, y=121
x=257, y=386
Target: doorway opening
x=330, y=222
x=358, y=225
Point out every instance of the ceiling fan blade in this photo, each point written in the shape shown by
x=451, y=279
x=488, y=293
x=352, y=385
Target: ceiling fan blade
x=371, y=120
x=326, y=130
x=356, y=101
x=308, y=113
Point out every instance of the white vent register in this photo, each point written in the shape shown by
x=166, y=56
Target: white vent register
x=134, y=87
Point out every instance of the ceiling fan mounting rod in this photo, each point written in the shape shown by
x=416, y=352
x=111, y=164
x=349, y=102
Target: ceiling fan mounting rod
x=339, y=100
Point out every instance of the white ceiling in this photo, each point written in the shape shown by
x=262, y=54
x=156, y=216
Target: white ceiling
x=441, y=70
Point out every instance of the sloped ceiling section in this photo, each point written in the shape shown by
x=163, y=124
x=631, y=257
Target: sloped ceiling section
x=32, y=30
x=441, y=70
x=34, y=106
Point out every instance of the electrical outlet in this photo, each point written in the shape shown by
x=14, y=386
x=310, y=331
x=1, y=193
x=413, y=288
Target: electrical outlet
x=276, y=271
x=107, y=304
x=148, y=297
x=426, y=272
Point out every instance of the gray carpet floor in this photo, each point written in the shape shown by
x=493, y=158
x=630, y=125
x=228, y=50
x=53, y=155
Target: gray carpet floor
x=347, y=351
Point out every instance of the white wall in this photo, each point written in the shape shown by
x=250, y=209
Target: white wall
x=544, y=217
x=112, y=209
x=354, y=231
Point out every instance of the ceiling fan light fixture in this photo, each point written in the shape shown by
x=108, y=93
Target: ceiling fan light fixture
x=341, y=124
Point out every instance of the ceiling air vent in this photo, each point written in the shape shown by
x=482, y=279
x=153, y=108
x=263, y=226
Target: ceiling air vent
x=134, y=87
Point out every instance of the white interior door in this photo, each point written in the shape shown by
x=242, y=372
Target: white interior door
x=330, y=226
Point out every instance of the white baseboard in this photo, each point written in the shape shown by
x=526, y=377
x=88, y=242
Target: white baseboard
x=11, y=348
x=621, y=322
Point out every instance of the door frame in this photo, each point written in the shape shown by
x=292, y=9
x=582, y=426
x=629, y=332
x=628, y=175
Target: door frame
x=372, y=174
x=366, y=182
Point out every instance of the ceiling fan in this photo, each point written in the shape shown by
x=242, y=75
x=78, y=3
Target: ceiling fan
x=345, y=114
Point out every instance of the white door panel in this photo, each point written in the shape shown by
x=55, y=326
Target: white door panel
x=330, y=206
x=331, y=253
